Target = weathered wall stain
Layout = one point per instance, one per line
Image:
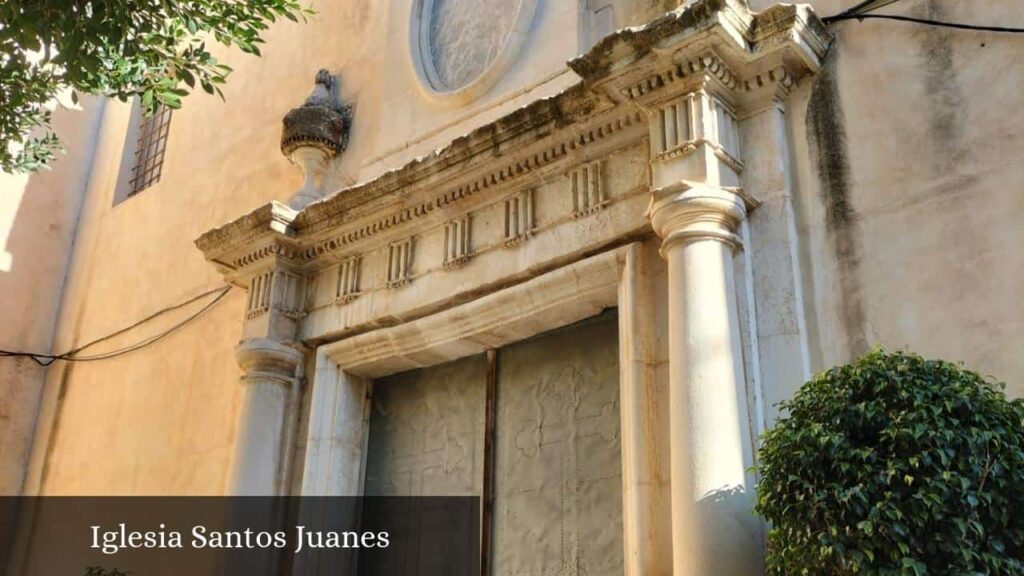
(945, 98)
(826, 136)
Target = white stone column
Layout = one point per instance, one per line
(270, 373)
(713, 533)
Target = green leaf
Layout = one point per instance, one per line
(895, 465)
(124, 49)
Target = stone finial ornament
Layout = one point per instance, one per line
(315, 133)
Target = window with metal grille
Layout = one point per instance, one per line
(149, 150)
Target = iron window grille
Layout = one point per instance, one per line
(149, 150)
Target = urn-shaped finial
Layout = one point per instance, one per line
(316, 132)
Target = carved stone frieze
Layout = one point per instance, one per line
(259, 295)
(349, 273)
(588, 189)
(518, 219)
(685, 74)
(281, 249)
(277, 290)
(456, 242)
(400, 263)
(682, 125)
(768, 88)
(505, 174)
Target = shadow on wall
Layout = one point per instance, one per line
(721, 510)
(38, 220)
(30, 234)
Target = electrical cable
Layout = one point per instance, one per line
(71, 355)
(869, 6)
(926, 21)
(859, 8)
(863, 11)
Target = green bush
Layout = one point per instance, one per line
(895, 465)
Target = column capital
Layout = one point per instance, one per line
(263, 359)
(691, 211)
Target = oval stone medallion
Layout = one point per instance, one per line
(461, 47)
(465, 37)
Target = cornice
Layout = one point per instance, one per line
(620, 50)
(506, 172)
(793, 24)
(709, 39)
(703, 66)
(276, 230)
(752, 58)
(482, 144)
(271, 216)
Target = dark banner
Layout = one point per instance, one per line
(251, 536)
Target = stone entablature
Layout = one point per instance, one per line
(651, 99)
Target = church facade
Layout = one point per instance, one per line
(565, 256)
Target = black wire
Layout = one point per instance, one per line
(957, 25)
(146, 319)
(71, 355)
(859, 8)
(861, 11)
(868, 6)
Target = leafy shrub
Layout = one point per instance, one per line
(895, 465)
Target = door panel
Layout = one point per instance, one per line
(426, 431)
(557, 462)
(558, 483)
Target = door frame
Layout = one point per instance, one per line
(621, 277)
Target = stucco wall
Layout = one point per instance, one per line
(905, 155)
(38, 216)
(160, 420)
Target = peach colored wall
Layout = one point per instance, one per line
(916, 131)
(38, 217)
